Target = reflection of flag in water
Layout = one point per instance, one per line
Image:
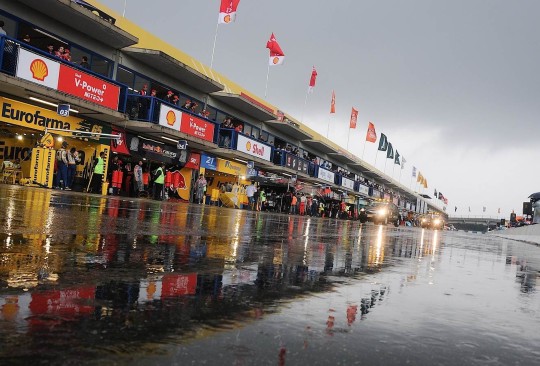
(276, 54)
(227, 11)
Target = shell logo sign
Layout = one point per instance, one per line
(275, 60)
(227, 18)
(171, 118)
(39, 69)
(248, 146)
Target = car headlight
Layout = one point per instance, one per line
(381, 212)
(423, 220)
(437, 221)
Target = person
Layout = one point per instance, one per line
(159, 180)
(50, 49)
(84, 63)
(239, 128)
(26, 38)
(15, 164)
(138, 176)
(262, 200)
(200, 187)
(66, 55)
(73, 159)
(250, 193)
(60, 52)
(97, 176)
(62, 162)
(169, 97)
(2, 31)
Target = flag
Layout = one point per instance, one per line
(435, 193)
(383, 142)
(420, 178)
(396, 158)
(227, 11)
(425, 183)
(455, 208)
(354, 117)
(390, 151)
(312, 80)
(484, 209)
(333, 103)
(499, 210)
(403, 161)
(276, 54)
(414, 171)
(469, 208)
(371, 135)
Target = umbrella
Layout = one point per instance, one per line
(535, 196)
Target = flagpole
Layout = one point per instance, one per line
(328, 129)
(376, 154)
(400, 172)
(214, 47)
(267, 76)
(385, 161)
(305, 104)
(410, 183)
(348, 137)
(124, 12)
(393, 170)
(364, 150)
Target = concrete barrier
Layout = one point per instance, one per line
(529, 234)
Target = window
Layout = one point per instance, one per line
(125, 77)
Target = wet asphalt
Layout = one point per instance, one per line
(92, 280)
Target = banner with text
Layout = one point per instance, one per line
(253, 147)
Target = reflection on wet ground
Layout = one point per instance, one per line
(92, 280)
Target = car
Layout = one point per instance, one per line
(432, 221)
(379, 212)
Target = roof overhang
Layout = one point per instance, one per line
(289, 129)
(169, 65)
(86, 21)
(247, 105)
(16, 88)
(157, 132)
(342, 158)
(235, 154)
(320, 146)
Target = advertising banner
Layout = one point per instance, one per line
(119, 145)
(231, 167)
(170, 117)
(303, 166)
(253, 147)
(208, 162)
(363, 189)
(197, 127)
(291, 161)
(55, 75)
(194, 161)
(347, 183)
(325, 175)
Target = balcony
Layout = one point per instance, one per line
(26, 72)
(246, 104)
(86, 19)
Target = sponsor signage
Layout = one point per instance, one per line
(55, 75)
(119, 145)
(303, 166)
(253, 147)
(30, 116)
(347, 183)
(291, 161)
(181, 145)
(169, 117)
(197, 127)
(164, 151)
(231, 167)
(251, 172)
(178, 284)
(325, 175)
(208, 162)
(63, 110)
(194, 161)
(363, 189)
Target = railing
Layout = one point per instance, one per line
(9, 58)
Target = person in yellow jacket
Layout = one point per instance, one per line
(159, 180)
(97, 176)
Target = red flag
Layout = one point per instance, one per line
(312, 80)
(227, 11)
(371, 135)
(333, 103)
(276, 54)
(354, 117)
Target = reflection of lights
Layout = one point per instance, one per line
(422, 243)
(435, 238)
(47, 245)
(379, 245)
(381, 212)
(19, 137)
(8, 241)
(59, 139)
(306, 235)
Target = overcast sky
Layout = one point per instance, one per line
(453, 84)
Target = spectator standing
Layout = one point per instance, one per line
(62, 161)
(250, 193)
(26, 38)
(97, 176)
(84, 63)
(50, 49)
(138, 177)
(159, 180)
(200, 187)
(73, 159)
